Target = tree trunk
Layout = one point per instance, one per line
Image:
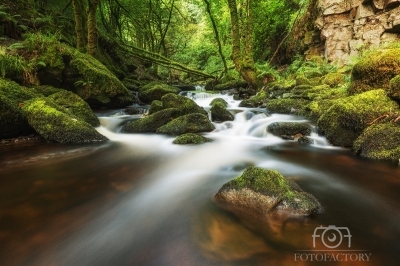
(93, 34)
(242, 52)
(214, 25)
(80, 18)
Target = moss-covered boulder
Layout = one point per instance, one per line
(289, 129)
(219, 100)
(220, 114)
(155, 106)
(191, 138)
(333, 79)
(75, 106)
(65, 67)
(375, 70)
(379, 142)
(151, 122)
(263, 191)
(345, 120)
(287, 106)
(12, 97)
(184, 104)
(257, 100)
(394, 88)
(155, 91)
(232, 84)
(54, 123)
(191, 123)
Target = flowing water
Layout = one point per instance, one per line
(138, 199)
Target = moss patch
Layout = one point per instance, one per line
(155, 91)
(53, 124)
(191, 123)
(289, 128)
(220, 101)
(191, 138)
(262, 191)
(155, 106)
(286, 106)
(344, 121)
(220, 114)
(379, 142)
(184, 104)
(375, 70)
(394, 88)
(257, 100)
(151, 122)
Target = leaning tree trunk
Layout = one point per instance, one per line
(93, 34)
(242, 52)
(80, 18)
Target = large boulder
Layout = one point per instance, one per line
(150, 123)
(379, 142)
(75, 106)
(375, 70)
(262, 191)
(12, 121)
(155, 91)
(65, 67)
(57, 123)
(184, 104)
(346, 119)
(190, 123)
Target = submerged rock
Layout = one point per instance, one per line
(380, 142)
(264, 191)
(191, 138)
(191, 123)
(56, 123)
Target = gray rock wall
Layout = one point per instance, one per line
(348, 26)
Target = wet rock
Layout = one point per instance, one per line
(75, 106)
(184, 104)
(257, 100)
(191, 138)
(305, 140)
(380, 142)
(133, 111)
(346, 118)
(219, 113)
(264, 191)
(56, 123)
(231, 85)
(155, 91)
(219, 100)
(394, 89)
(191, 123)
(151, 122)
(289, 129)
(286, 106)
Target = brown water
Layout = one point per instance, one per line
(140, 200)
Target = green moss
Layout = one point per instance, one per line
(155, 91)
(286, 194)
(394, 88)
(54, 124)
(333, 79)
(184, 104)
(191, 123)
(286, 106)
(12, 97)
(220, 101)
(379, 142)
(315, 109)
(289, 128)
(375, 70)
(155, 106)
(220, 114)
(348, 117)
(151, 122)
(46, 90)
(257, 100)
(75, 106)
(302, 80)
(232, 84)
(191, 138)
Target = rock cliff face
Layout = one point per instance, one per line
(347, 26)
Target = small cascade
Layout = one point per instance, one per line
(200, 88)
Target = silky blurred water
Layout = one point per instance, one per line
(138, 199)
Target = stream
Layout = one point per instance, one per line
(138, 199)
